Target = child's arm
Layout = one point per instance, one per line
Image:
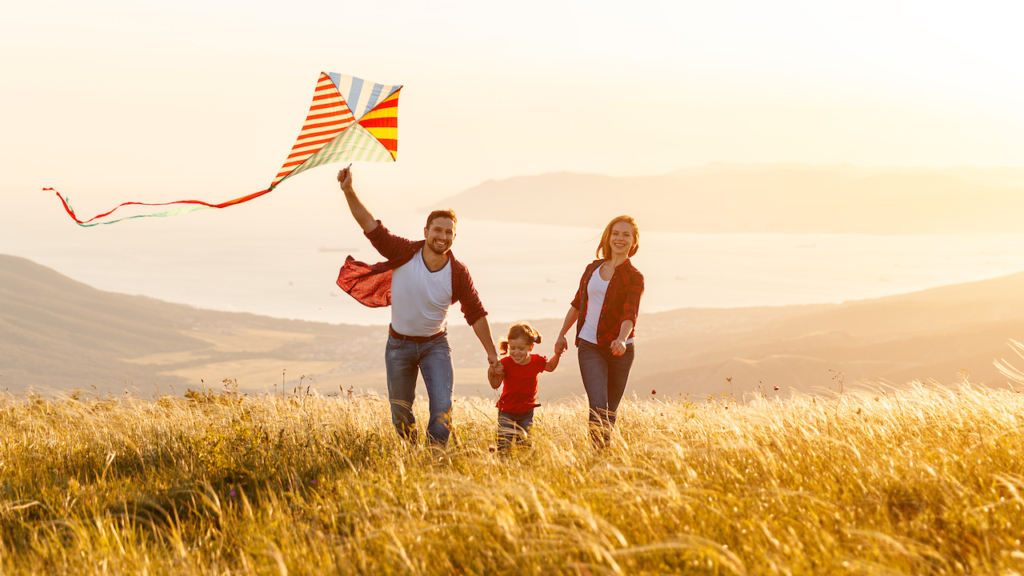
(553, 362)
(495, 374)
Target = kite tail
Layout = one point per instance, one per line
(187, 206)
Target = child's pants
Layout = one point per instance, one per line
(513, 428)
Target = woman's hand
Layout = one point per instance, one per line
(561, 345)
(618, 347)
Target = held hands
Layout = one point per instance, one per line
(495, 375)
(561, 345)
(492, 360)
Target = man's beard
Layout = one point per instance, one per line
(447, 246)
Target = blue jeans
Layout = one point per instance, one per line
(403, 359)
(604, 378)
(513, 428)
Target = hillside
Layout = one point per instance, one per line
(928, 335)
(57, 334)
(1001, 177)
(761, 199)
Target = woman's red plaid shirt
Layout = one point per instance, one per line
(621, 301)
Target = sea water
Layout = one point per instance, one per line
(220, 260)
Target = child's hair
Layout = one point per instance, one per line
(521, 330)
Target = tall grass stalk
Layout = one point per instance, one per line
(927, 482)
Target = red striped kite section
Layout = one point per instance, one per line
(349, 119)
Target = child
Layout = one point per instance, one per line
(518, 370)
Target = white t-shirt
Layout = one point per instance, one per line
(420, 298)
(596, 289)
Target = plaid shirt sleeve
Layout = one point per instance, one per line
(631, 302)
(390, 246)
(466, 294)
(578, 299)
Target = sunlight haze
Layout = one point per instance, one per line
(143, 100)
(812, 311)
(838, 118)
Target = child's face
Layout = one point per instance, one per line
(519, 349)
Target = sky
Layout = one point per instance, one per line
(114, 100)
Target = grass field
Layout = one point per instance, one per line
(926, 480)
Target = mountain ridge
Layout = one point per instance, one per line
(57, 335)
(769, 200)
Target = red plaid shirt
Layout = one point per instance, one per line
(621, 301)
(370, 284)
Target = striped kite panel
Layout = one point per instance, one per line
(361, 95)
(328, 116)
(354, 144)
(331, 133)
(382, 123)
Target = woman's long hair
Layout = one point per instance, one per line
(604, 249)
(516, 331)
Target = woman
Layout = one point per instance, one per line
(604, 311)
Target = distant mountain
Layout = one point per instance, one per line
(57, 335)
(940, 335)
(1003, 177)
(724, 198)
(937, 334)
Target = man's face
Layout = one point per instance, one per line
(440, 234)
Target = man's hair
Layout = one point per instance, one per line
(604, 249)
(449, 213)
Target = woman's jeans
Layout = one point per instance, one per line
(403, 360)
(604, 378)
(513, 428)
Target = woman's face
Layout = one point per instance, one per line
(621, 238)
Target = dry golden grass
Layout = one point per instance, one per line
(921, 481)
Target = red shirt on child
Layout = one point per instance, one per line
(519, 385)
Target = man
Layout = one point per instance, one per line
(419, 280)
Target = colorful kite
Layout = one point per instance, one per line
(349, 120)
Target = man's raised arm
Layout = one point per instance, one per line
(366, 220)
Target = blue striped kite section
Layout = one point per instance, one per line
(361, 96)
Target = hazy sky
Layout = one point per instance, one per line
(154, 100)
(110, 101)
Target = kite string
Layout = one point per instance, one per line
(71, 211)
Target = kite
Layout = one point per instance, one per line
(350, 119)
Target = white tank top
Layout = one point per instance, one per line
(596, 289)
(420, 298)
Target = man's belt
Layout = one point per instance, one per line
(416, 339)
